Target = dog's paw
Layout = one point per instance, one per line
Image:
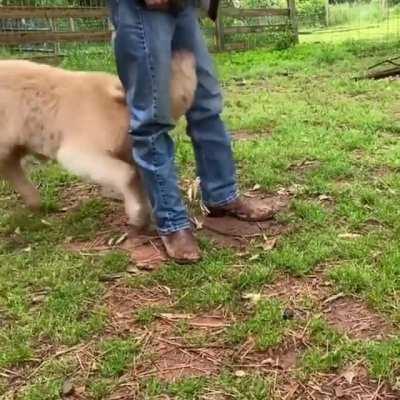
(33, 201)
(139, 221)
(139, 217)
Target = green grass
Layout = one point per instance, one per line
(383, 29)
(302, 105)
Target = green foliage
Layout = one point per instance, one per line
(266, 326)
(311, 9)
(356, 13)
(117, 356)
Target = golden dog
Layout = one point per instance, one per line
(81, 120)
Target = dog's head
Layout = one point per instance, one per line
(183, 82)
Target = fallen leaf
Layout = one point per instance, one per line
(253, 298)
(240, 373)
(132, 269)
(176, 316)
(269, 244)
(396, 385)
(168, 290)
(349, 375)
(121, 239)
(80, 390)
(339, 392)
(268, 361)
(255, 257)
(256, 187)
(349, 235)
(325, 197)
(197, 224)
(37, 298)
(67, 388)
(68, 239)
(333, 298)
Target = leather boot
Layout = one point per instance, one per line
(245, 210)
(182, 246)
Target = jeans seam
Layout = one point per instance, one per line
(173, 228)
(150, 62)
(160, 183)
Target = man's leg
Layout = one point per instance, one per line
(143, 53)
(211, 141)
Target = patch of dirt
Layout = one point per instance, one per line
(76, 193)
(172, 360)
(292, 290)
(304, 166)
(346, 314)
(382, 171)
(173, 356)
(122, 302)
(282, 357)
(351, 384)
(246, 135)
(352, 317)
(146, 249)
(168, 355)
(231, 232)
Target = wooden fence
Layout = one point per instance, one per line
(21, 26)
(287, 23)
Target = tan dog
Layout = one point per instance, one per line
(81, 120)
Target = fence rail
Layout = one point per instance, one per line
(15, 38)
(27, 25)
(52, 12)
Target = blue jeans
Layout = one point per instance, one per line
(144, 44)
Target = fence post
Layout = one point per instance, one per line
(219, 31)
(293, 19)
(327, 13)
(57, 47)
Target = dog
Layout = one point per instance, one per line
(80, 119)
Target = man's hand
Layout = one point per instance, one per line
(157, 4)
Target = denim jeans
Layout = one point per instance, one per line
(144, 42)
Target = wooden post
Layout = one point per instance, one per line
(72, 24)
(326, 13)
(57, 47)
(293, 19)
(219, 32)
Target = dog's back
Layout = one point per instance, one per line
(42, 106)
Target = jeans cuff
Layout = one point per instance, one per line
(224, 202)
(168, 231)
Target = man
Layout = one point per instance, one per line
(147, 31)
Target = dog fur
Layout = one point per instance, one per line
(81, 120)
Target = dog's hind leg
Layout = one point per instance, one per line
(11, 170)
(108, 171)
